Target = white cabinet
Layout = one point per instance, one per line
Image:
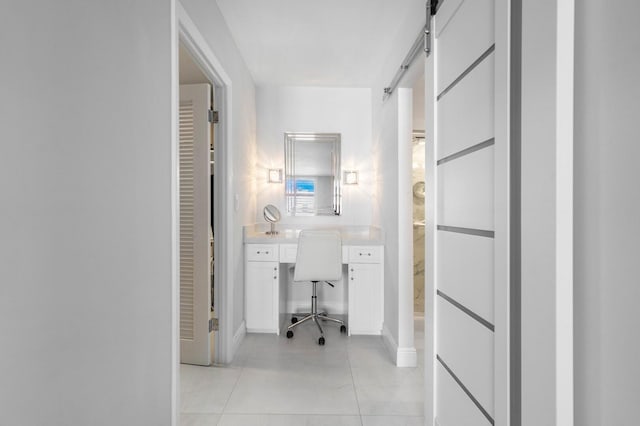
(265, 292)
(261, 289)
(366, 295)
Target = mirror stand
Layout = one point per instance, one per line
(273, 229)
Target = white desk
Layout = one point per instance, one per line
(266, 258)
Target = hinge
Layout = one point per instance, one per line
(214, 116)
(213, 324)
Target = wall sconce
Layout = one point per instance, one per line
(275, 175)
(350, 177)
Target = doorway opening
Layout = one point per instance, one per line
(219, 207)
(196, 173)
(418, 194)
(191, 41)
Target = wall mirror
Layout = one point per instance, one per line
(312, 174)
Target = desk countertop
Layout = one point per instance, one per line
(288, 234)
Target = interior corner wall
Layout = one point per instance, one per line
(85, 217)
(211, 24)
(385, 137)
(324, 110)
(387, 198)
(607, 208)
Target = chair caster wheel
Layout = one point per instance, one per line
(294, 320)
(343, 329)
(289, 334)
(321, 341)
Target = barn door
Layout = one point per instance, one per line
(195, 287)
(467, 121)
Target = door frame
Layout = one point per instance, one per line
(184, 30)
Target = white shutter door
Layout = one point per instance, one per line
(195, 294)
(467, 121)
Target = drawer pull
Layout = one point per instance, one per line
(275, 269)
(258, 252)
(274, 277)
(266, 252)
(351, 278)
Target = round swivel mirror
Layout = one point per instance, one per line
(272, 215)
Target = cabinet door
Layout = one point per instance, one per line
(365, 298)
(262, 297)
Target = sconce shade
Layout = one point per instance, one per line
(275, 176)
(351, 177)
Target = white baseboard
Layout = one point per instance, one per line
(263, 330)
(238, 337)
(389, 342)
(401, 356)
(407, 357)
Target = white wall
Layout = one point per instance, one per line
(546, 213)
(85, 178)
(314, 109)
(418, 99)
(394, 186)
(607, 208)
(213, 27)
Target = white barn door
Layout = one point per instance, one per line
(194, 173)
(467, 315)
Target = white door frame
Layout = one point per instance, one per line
(184, 30)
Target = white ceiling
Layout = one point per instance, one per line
(339, 43)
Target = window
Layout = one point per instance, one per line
(301, 195)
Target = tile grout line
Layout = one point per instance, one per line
(224, 408)
(353, 381)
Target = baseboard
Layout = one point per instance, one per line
(407, 357)
(238, 337)
(390, 343)
(401, 356)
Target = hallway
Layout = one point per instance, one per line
(276, 381)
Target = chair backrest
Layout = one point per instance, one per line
(319, 256)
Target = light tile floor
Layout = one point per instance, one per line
(275, 381)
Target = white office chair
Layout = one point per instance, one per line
(319, 259)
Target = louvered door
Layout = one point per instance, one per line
(195, 293)
(467, 121)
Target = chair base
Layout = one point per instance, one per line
(314, 316)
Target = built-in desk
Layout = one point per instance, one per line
(266, 284)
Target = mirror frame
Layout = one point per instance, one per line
(290, 139)
(266, 211)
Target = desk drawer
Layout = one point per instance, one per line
(365, 254)
(288, 253)
(262, 252)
